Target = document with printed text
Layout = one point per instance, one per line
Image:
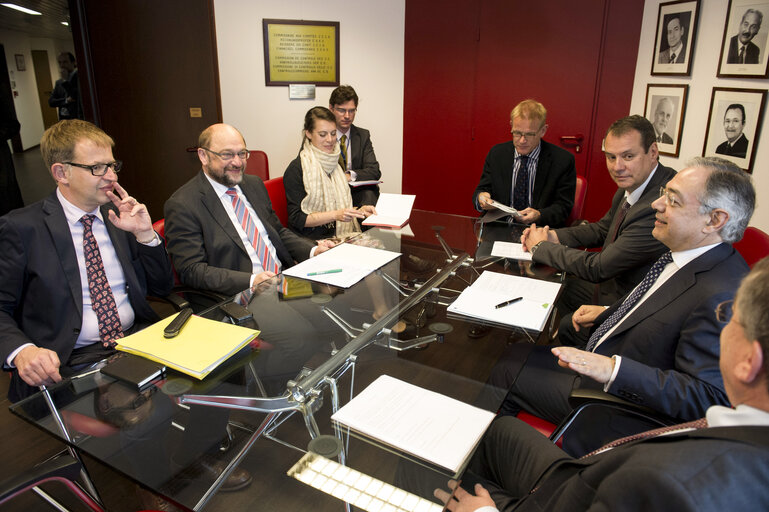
(428, 425)
(492, 289)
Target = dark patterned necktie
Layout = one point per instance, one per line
(255, 236)
(631, 300)
(621, 213)
(742, 55)
(343, 152)
(696, 424)
(672, 58)
(102, 300)
(521, 189)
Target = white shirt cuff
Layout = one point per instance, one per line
(486, 508)
(353, 175)
(152, 243)
(312, 251)
(9, 361)
(617, 362)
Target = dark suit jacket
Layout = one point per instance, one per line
(364, 163)
(711, 469)
(751, 52)
(666, 139)
(670, 344)
(664, 55)
(205, 247)
(554, 185)
(622, 264)
(41, 299)
(739, 149)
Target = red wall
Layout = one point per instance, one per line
(467, 63)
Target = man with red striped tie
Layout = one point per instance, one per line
(221, 230)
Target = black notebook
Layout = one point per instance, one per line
(134, 370)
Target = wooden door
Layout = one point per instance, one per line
(467, 66)
(152, 83)
(44, 86)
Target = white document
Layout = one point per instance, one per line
(510, 250)
(492, 288)
(504, 208)
(392, 210)
(363, 183)
(342, 266)
(428, 425)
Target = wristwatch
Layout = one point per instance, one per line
(536, 246)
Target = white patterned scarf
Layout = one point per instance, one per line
(326, 185)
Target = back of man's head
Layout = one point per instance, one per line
(342, 95)
(728, 188)
(529, 109)
(752, 302)
(637, 123)
(59, 141)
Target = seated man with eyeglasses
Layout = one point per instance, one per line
(76, 266)
(658, 345)
(357, 156)
(531, 175)
(221, 230)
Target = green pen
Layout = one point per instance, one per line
(320, 273)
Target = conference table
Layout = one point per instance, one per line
(263, 409)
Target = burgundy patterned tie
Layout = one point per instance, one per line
(255, 236)
(696, 424)
(102, 300)
(621, 214)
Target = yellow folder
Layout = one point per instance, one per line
(200, 347)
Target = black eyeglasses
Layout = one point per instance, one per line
(99, 169)
(226, 156)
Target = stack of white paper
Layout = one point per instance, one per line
(342, 266)
(492, 288)
(428, 425)
(393, 210)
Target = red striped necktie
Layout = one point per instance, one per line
(255, 236)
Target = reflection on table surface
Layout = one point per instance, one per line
(319, 345)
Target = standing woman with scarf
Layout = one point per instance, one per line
(317, 193)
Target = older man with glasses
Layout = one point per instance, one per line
(718, 462)
(76, 266)
(658, 345)
(222, 232)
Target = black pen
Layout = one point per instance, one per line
(508, 302)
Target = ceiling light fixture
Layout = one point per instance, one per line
(22, 9)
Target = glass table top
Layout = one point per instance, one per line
(319, 346)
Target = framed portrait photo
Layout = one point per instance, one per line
(744, 46)
(734, 123)
(665, 109)
(676, 28)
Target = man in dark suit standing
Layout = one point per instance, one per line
(55, 310)
(736, 144)
(658, 346)
(624, 232)
(675, 53)
(209, 247)
(357, 158)
(531, 175)
(742, 50)
(719, 464)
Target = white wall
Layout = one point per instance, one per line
(701, 83)
(27, 103)
(371, 60)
